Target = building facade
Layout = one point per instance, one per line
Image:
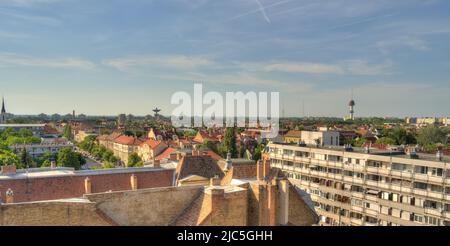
(369, 188)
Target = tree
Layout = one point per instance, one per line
(68, 132)
(68, 158)
(26, 159)
(229, 142)
(386, 140)
(431, 135)
(135, 161)
(400, 136)
(210, 145)
(7, 157)
(258, 152)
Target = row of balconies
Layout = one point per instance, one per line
(402, 206)
(374, 170)
(378, 184)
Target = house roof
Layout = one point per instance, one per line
(293, 134)
(127, 140)
(204, 166)
(152, 143)
(165, 154)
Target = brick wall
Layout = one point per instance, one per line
(52, 188)
(244, 171)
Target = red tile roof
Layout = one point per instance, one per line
(165, 154)
(152, 143)
(127, 140)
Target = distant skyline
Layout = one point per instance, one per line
(107, 57)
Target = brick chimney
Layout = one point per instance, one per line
(53, 164)
(134, 182)
(9, 196)
(11, 169)
(157, 164)
(266, 167)
(215, 181)
(259, 170)
(87, 185)
(283, 217)
(174, 157)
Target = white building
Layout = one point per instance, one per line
(323, 137)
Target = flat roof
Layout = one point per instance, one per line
(61, 172)
(22, 125)
(375, 151)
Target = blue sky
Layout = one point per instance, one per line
(129, 56)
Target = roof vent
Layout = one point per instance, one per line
(439, 155)
(411, 152)
(348, 148)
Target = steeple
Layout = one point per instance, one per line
(3, 112)
(3, 106)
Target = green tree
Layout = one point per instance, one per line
(135, 161)
(386, 140)
(68, 158)
(7, 157)
(26, 159)
(431, 135)
(67, 133)
(229, 142)
(210, 145)
(258, 152)
(400, 136)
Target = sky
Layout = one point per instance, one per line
(106, 57)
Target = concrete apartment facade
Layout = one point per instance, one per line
(369, 187)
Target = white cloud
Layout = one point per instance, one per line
(26, 2)
(406, 41)
(177, 62)
(348, 67)
(16, 60)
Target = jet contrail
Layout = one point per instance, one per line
(261, 9)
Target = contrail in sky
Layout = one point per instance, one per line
(261, 9)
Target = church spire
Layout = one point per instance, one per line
(3, 106)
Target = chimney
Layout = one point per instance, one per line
(229, 162)
(259, 171)
(194, 152)
(284, 202)
(266, 167)
(439, 155)
(215, 181)
(157, 164)
(134, 182)
(174, 157)
(179, 156)
(10, 169)
(87, 186)
(9, 196)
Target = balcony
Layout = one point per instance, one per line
(421, 177)
(356, 222)
(420, 192)
(432, 211)
(436, 195)
(403, 174)
(436, 179)
(372, 183)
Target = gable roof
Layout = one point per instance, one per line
(293, 134)
(152, 143)
(204, 166)
(127, 140)
(165, 154)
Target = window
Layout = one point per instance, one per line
(437, 172)
(419, 185)
(432, 220)
(418, 218)
(357, 161)
(421, 169)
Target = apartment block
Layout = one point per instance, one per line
(369, 187)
